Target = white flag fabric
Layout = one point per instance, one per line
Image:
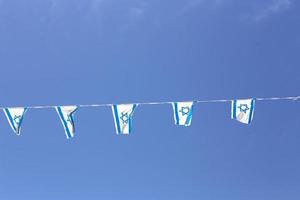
(242, 110)
(123, 117)
(183, 112)
(66, 114)
(15, 118)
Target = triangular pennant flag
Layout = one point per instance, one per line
(242, 110)
(123, 117)
(66, 114)
(183, 112)
(15, 118)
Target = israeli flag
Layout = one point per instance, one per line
(123, 117)
(242, 110)
(15, 118)
(183, 112)
(66, 114)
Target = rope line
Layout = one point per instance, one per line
(293, 98)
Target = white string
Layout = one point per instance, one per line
(293, 98)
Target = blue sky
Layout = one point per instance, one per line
(57, 52)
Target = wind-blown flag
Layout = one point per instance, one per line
(15, 118)
(123, 117)
(242, 110)
(66, 114)
(183, 112)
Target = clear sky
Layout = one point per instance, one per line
(56, 52)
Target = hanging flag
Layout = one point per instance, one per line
(66, 114)
(183, 112)
(242, 110)
(15, 118)
(123, 117)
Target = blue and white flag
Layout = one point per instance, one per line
(123, 117)
(242, 110)
(183, 112)
(15, 118)
(66, 114)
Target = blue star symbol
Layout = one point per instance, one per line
(69, 119)
(17, 119)
(243, 108)
(124, 117)
(184, 110)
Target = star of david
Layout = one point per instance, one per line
(184, 110)
(17, 119)
(69, 119)
(243, 108)
(124, 117)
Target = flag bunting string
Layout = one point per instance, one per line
(293, 98)
(242, 110)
